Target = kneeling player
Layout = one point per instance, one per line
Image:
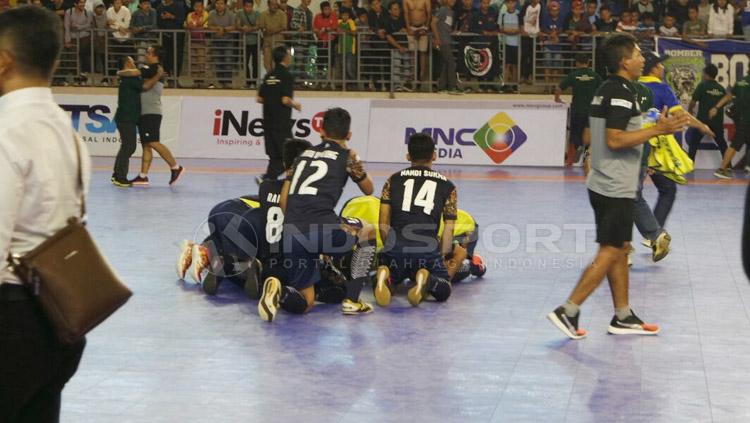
(312, 227)
(465, 234)
(412, 204)
(244, 239)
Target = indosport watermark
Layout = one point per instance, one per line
(234, 239)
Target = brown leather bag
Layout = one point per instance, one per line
(73, 282)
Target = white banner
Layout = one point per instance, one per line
(232, 128)
(520, 133)
(92, 117)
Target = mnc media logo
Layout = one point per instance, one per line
(499, 137)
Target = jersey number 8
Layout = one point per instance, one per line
(274, 223)
(425, 197)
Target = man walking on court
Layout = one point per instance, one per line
(616, 147)
(277, 96)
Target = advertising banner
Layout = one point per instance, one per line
(684, 69)
(92, 117)
(232, 127)
(521, 133)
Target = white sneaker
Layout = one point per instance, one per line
(646, 243)
(660, 247)
(268, 305)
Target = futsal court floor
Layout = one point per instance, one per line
(173, 354)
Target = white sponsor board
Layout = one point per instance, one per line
(232, 128)
(521, 133)
(92, 117)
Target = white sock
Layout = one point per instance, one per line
(176, 167)
(143, 175)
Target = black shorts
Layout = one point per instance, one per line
(149, 128)
(741, 134)
(614, 219)
(511, 55)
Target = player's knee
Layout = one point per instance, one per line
(292, 301)
(441, 291)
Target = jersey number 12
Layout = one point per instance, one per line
(305, 188)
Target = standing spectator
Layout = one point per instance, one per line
(171, 17)
(645, 6)
(289, 10)
(740, 95)
(591, 9)
(646, 27)
(552, 25)
(39, 163)
(247, 23)
(59, 7)
(379, 58)
(126, 117)
(679, 10)
(584, 83)
(272, 23)
(616, 147)
(221, 22)
(694, 27)
(118, 19)
(707, 94)
(463, 10)
(302, 18)
(745, 20)
(484, 23)
(325, 26)
(576, 25)
(606, 22)
(99, 24)
(668, 28)
(396, 26)
(721, 19)
(442, 27)
(348, 43)
(510, 27)
(277, 96)
(704, 11)
(144, 21)
(78, 25)
(197, 24)
(417, 15)
(531, 13)
(626, 23)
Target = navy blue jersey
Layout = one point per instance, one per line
(269, 194)
(419, 198)
(316, 184)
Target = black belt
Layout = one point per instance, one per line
(12, 292)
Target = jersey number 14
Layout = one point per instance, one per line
(425, 197)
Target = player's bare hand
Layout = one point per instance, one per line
(672, 123)
(297, 106)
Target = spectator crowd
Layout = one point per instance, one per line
(485, 41)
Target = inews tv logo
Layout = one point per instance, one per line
(500, 137)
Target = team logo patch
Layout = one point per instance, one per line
(478, 60)
(500, 137)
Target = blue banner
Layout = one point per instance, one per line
(687, 60)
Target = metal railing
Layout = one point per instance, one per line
(363, 61)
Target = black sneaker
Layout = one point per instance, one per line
(631, 325)
(252, 279)
(139, 181)
(210, 283)
(176, 173)
(121, 183)
(568, 325)
(268, 305)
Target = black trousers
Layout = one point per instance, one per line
(274, 143)
(128, 133)
(694, 137)
(84, 53)
(174, 49)
(34, 367)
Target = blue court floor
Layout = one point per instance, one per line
(173, 354)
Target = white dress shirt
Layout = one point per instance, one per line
(721, 22)
(38, 172)
(120, 21)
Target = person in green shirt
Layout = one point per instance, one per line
(584, 82)
(707, 94)
(126, 117)
(740, 94)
